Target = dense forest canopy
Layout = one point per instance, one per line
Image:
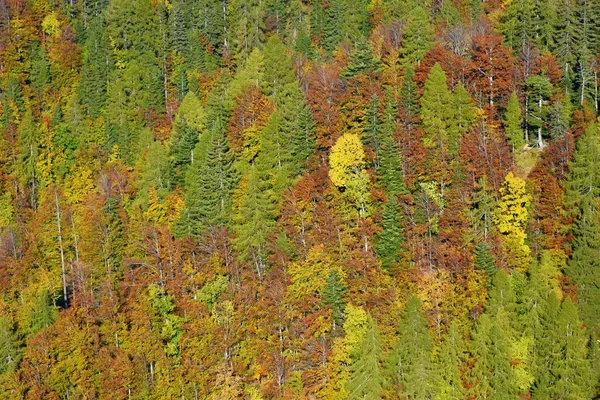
(286, 199)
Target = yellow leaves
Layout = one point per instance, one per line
(309, 277)
(6, 209)
(347, 169)
(51, 25)
(191, 111)
(510, 218)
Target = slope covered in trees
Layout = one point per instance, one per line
(383, 199)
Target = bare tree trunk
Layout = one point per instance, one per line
(61, 248)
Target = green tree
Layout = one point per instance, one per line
(436, 109)
(28, 139)
(450, 361)
(366, 379)
(513, 121)
(484, 260)
(333, 295)
(209, 183)
(389, 243)
(583, 191)
(539, 91)
(10, 347)
(410, 366)
(418, 36)
(361, 60)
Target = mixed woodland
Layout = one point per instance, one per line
(299, 199)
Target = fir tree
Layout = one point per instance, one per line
(418, 36)
(450, 362)
(513, 121)
(410, 366)
(390, 242)
(583, 191)
(333, 295)
(210, 182)
(436, 109)
(484, 260)
(10, 347)
(361, 60)
(366, 380)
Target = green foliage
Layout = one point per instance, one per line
(366, 379)
(484, 260)
(410, 365)
(436, 109)
(361, 60)
(10, 347)
(333, 295)
(450, 362)
(209, 183)
(418, 36)
(43, 313)
(583, 189)
(390, 242)
(513, 120)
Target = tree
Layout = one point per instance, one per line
(410, 365)
(253, 218)
(513, 120)
(209, 183)
(583, 190)
(366, 380)
(450, 362)
(361, 60)
(28, 139)
(510, 218)
(347, 170)
(436, 110)
(539, 91)
(390, 242)
(484, 260)
(10, 347)
(418, 36)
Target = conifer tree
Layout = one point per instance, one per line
(253, 218)
(28, 138)
(449, 363)
(436, 109)
(583, 191)
(389, 168)
(418, 36)
(484, 260)
(366, 379)
(463, 118)
(333, 295)
(390, 242)
(513, 121)
(210, 182)
(10, 347)
(361, 60)
(410, 366)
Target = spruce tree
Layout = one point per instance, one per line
(450, 361)
(436, 109)
(361, 60)
(418, 36)
(410, 366)
(366, 379)
(333, 295)
(10, 347)
(484, 260)
(210, 182)
(390, 242)
(513, 120)
(583, 191)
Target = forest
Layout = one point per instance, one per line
(300, 199)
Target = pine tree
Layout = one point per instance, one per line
(333, 295)
(10, 347)
(209, 184)
(513, 120)
(539, 91)
(583, 191)
(450, 362)
(484, 260)
(390, 242)
(436, 109)
(27, 157)
(462, 120)
(418, 36)
(366, 380)
(361, 60)
(389, 169)
(253, 218)
(410, 365)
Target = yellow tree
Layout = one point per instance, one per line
(347, 171)
(510, 218)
